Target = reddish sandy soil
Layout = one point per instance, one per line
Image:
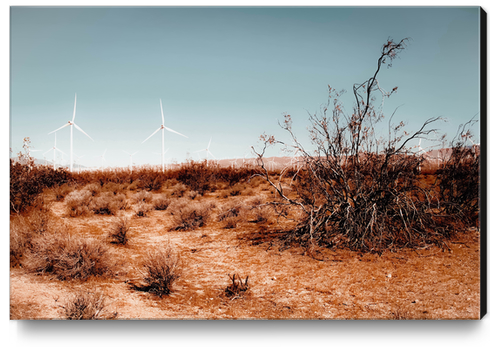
(288, 284)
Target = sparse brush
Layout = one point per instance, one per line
(113, 187)
(230, 215)
(143, 196)
(20, 239)
(119, 232)
(179, 190)
(87, 306)
(192, 194)
(61, 191)
(78, 202)
(237, 286)
(163, 268)
(68, 257)
(93, 188)
(108, 203)
(142, 209)
(259, 212)
(188, 214)
(161, 202)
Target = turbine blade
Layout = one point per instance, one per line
(161, 109)
(209, 144)
(151, 135)
(67, 124)
(166, 151)
(211, 154)
(74, 108)
(47, 151)
(175, 132)
(126, 152)
(76, 126)
(60, 150)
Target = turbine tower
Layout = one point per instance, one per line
(71, 124)
(54, 149)
(207, 151)
(130, 160)
(163, 128)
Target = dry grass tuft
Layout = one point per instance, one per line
(163, 268)
(87, 306)
(237, 287)
(161, 202)
(78, 202)
(230, 215)
(142, 209)
(119, 232)
(143, 196)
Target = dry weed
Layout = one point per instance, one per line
(68, 257)
(142, 209)
(163, 268)
(161, 202)
(119, 232)
(87, 306)
(188, 214)
(78, 202)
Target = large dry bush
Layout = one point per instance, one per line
(356, 189)
(78, 202)
(142, 196)
(27, 180)
(68, 257)
(108, 203)
(24, 228)
(161, 202)
(458, 180)
(162, 268)
(188, 214)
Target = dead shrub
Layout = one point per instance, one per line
(142, 209)
(161, 202)
(188, 214)
(119, 232)
(163, 268)
(61, 191)
(143, 196)
(68, 257)
(179, 190)
(237, 287)
(112, 187)
(87, 306)
(230, 215)
(23, 229)
(258, 211)
(78, 202)
(20, 240)
(93, 188)
(192, 194)
(107, 203)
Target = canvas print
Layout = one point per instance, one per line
(219, 163)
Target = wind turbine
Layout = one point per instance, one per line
(207, 151)
(163, 128)
(54, 149)
(77, 161)
(130, 160)
(71, 124)
(102, 157)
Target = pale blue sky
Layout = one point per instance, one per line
(225, 73)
